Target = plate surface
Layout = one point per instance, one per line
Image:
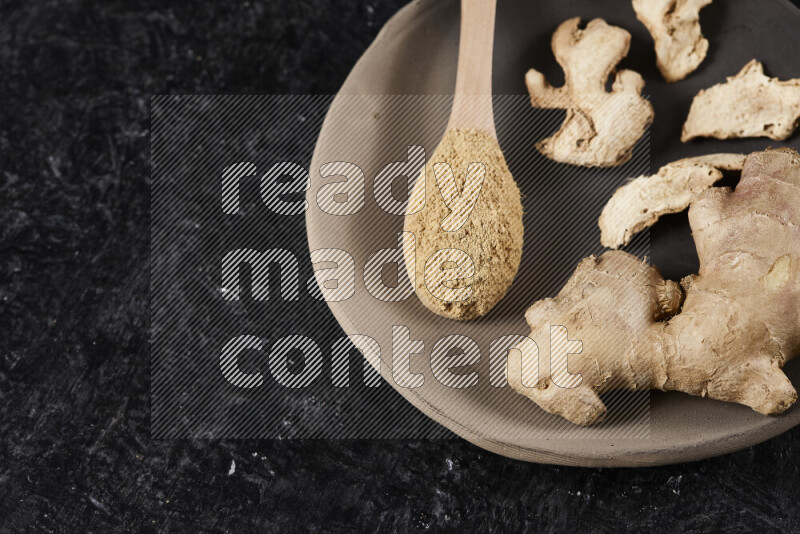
(415, 54)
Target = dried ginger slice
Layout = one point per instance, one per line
(749, 104)
(675, 27)
(601, 128)
(639, 203)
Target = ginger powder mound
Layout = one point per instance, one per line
(463, 228)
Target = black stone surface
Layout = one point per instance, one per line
(75, 451)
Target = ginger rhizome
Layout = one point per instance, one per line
(724, 333)
(601, 128)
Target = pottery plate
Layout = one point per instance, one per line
(415, 54)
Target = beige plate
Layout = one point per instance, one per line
(416, 53)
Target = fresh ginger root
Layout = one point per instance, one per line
(738, 325)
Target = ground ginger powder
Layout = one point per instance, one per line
(463, 236)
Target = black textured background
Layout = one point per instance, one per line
(75, 453)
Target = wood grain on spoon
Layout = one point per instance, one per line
(472, 102)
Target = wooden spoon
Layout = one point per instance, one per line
(463, 228)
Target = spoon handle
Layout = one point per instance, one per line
(472, 102)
